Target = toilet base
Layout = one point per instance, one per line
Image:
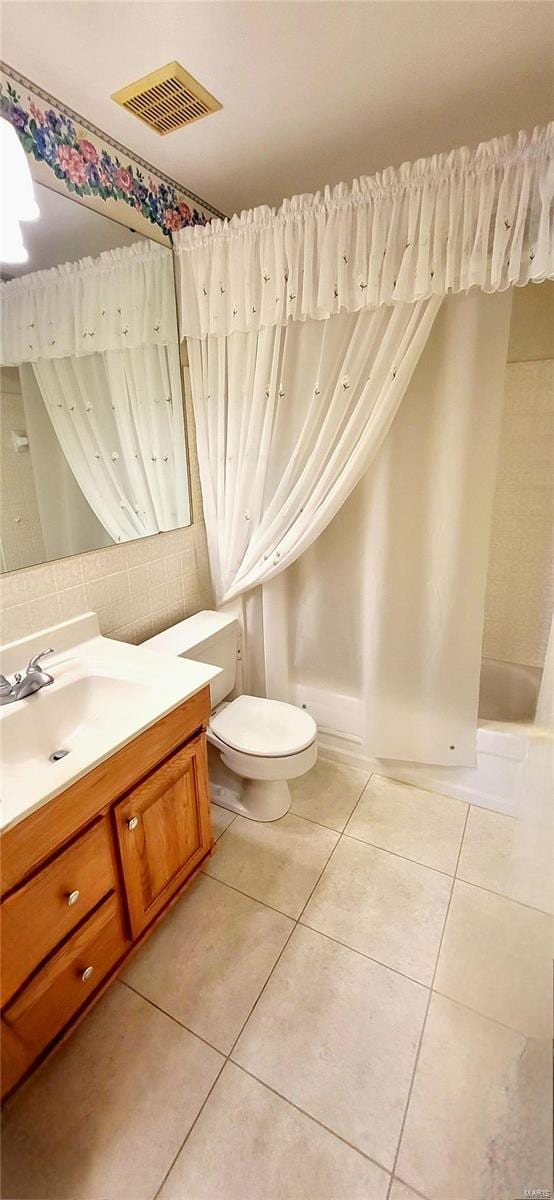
(257, 799)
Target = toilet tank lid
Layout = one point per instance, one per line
(190, 634)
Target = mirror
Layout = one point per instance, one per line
(92, 419)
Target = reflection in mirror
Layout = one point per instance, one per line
(92, 420)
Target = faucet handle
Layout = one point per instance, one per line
(5, 685)
(34, 662)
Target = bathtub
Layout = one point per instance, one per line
(505, 733)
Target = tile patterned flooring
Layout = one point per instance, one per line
(351, 1003)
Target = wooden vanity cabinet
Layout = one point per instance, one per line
(87, 876)
(164, 832)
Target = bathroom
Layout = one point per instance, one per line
(276, 653)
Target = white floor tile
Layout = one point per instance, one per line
(510, 856)
(382, 905)
(496, 957)
(479, 1120)
(328, 793)
(106, 1116)
(249, 1144)
(337, 1035)
(208, 961)
(277, 862)
(399, 1191)
(420, 825)
(221, 819)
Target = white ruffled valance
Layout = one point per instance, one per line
(444, 224)
(120, 300)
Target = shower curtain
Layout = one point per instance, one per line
(393, 666)
(285, 429)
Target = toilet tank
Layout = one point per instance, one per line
(208, 637)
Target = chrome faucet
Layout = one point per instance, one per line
(32, 681)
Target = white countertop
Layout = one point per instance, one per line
(104, 694)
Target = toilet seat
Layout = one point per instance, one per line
(263, 728)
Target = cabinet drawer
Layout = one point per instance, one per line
(46, 908)
(68, 979)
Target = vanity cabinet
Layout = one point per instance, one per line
(87, 876)
(164, 832)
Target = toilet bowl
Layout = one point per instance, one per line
(255, 745)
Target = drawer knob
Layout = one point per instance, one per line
(86, 974)
(132, 823)
(73, 897)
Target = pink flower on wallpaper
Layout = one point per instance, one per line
(172, 219)
(184, 211)
(72, 163)
(36, 113)
(124, 179)
(88, 151)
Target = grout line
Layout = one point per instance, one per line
(172, 1017)
(199, 1113)
(255, 900)
(418, 1051)
(385, 850)
(368, 957)
(310, 1116)
(228, 1056)
(503, 896)
(409, 1187)
(299, 922)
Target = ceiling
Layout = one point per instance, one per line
(312, 92)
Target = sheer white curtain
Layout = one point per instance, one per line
(287, 421)
(122, 433)
(470, 218)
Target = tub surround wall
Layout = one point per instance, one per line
(520, 586)
(137, 589)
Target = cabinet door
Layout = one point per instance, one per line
(164, 831)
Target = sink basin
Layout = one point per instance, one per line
(62, 713)
(104, 694)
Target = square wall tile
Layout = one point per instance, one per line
(208, 961)
(277, 862)
(327, 794)
(249, 1144)
(417, 824)
(479, 1118)
(107, 1114)
(337, 1035)
(387, 907)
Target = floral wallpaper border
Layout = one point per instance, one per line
(64, 142)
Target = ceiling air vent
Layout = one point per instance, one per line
(167, 99)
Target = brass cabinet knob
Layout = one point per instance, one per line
(86, 974)
(132, 823)
(73, 897)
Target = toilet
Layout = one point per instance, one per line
(255, 745)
